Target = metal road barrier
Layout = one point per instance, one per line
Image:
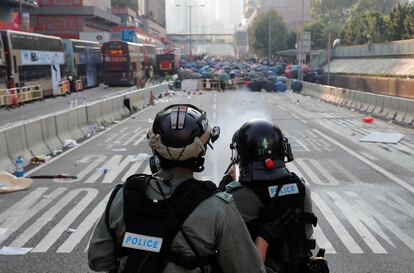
(46, 134)
(23, 94)
(396, 109)
(78, 85)
(206, 84)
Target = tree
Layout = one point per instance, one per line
(259, 34)
(402, 22)
(370, 24)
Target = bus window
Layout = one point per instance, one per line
(34, 72)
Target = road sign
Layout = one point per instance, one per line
(127, 35)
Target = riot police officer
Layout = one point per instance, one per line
(169, 221)
(274, 202)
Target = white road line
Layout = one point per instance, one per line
(303, 145)
(336, 225)
(406, 143)
(369, 156)
(99, 159)
(66, 221)
(299, 118)
(140, 140)
(111, 137)
(281, 107)
(20, 216)
(133, 170)
(21, 207)
(395, 201)
(328, 180)
(42, 221)
(84, 227)
(115, 165)
(384, 172)
(137, 130)
(356, 219)
(344, 171)
(85, 142)
(293, 167)
(322, 241)
(133, 137)
(405, 238)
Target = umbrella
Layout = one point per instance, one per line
(224, 77)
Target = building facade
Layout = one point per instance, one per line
(154, 10)
(71, 18)
(10, 17)
(290, 10)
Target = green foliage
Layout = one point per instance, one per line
(361, 26)
(398, 25)
(402, 22)
(353, 20)
(259, 34)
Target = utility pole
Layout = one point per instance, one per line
(21, 15)
(329, 57)
(300, 76)
(270, 35)
(190, 8)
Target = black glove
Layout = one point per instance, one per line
(272, 230)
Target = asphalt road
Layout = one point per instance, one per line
(55, 104)
(362, 192)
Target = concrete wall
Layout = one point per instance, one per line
(396, 48)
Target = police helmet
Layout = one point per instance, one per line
(262, 150)
(179, 137)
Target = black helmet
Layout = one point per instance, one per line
(262, 150)
(179, 136)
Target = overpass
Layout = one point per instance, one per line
(216, 44)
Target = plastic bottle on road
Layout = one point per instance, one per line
(19, 166)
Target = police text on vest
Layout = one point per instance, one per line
(142, 242)
(286, 190)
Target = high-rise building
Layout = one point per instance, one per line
(131, 4)
(290, 10)
(153, 9)
(73, 18)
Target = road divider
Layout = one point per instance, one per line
(396, 109)
(44, 135)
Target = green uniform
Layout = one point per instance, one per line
(214, 225)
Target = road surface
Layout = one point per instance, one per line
(362, 192)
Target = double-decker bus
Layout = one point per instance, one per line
(83, 61)
(33, 59)
(122, 63)
(3, 67)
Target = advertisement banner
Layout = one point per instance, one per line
(56, 78)
(42, 57)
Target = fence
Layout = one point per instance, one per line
(207, 84)
(399, 110)
(24, 94)
(399, 87)
(47, 133)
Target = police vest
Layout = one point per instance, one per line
(280, 195)
(152, 225)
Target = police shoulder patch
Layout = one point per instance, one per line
(227, 197)
(232, 186)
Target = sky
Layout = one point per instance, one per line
(218, 16)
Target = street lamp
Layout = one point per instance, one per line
(190, 7)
